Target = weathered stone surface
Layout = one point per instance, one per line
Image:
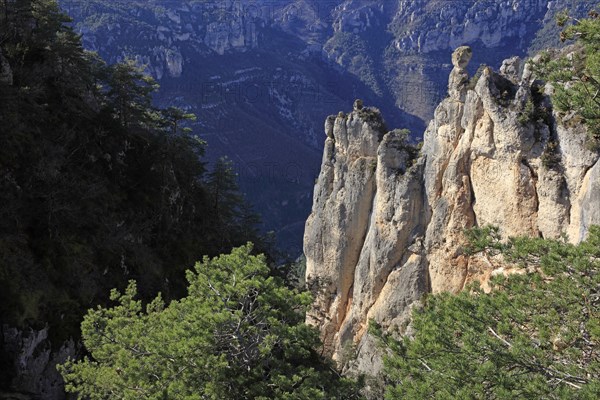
(386, 229)
(586, 207)
(485, 167)
(457, 83)
(35, 362)
(510, 69)
(174, 61)
(364, 197)
(461, 57)
(337, 226)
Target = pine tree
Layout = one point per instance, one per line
(239, 334)
(130, 90)
(223, 186)
(536, 335)
(97, 186)
(174, 118)
(576, 76)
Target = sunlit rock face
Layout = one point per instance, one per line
(387, 227)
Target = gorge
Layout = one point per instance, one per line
(95, 197)
(261, 74)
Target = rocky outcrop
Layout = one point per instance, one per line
(409, 42)
(168, 34)
(459, 77)
(387, 227)
(357, 16)
(33, 373)
(238, 34)
(365, 219)
(259, 63)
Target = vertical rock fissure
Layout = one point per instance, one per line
(354, 261)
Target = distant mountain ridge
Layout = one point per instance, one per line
(258, 92)
(262, 74)
(92, 197)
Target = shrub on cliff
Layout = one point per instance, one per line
(576, 76)
(535, 335)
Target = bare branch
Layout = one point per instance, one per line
(498, 337)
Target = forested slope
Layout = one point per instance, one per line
(97, 186)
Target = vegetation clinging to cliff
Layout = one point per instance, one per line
(535, 335)
(352, 51)
(576, 76)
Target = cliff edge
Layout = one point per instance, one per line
(388, 221)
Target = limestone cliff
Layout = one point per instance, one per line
(388, 226)
(33, 363)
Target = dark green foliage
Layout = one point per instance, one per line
(534, 336)
(239, 334)
(174, 117)
(373, 165)
(505, 90)
(128, 89)
(227, 207)
(373, 116)
(475, 78)
(413, 150)
(549, 35)
(528, 114)
(551, 156)
(297, 273)
(576, 76)
(536, 109)
(97, 186)
(486, 239)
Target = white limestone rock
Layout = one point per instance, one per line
(386, 228)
